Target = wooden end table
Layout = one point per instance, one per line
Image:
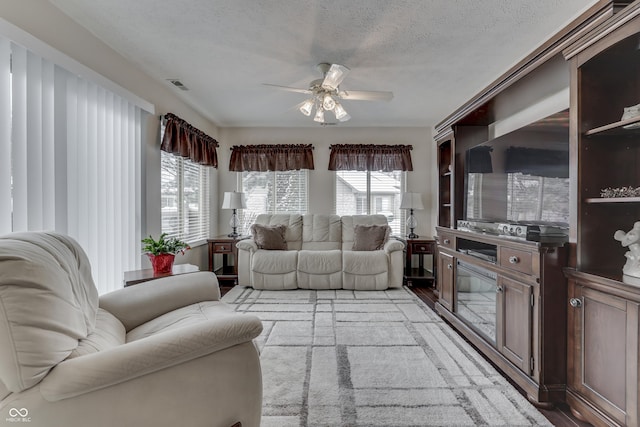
(420, 247)
(224, 245)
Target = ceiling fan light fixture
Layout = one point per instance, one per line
(306, 107)
(319, 115)
(341, 113)
(328, 103)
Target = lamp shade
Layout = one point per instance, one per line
(233, 200)
(411, 201)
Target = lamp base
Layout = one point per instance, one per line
(234, 233)
(412, 235)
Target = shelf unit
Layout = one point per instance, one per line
(603, 314)
(445, 182)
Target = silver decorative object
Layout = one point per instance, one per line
(620, 192)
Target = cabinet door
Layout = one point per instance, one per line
(514, 313)
(604, 352)
(445, 280)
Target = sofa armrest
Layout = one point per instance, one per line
(247, 245)
(84, 374)
(393, 245)
(140, 303)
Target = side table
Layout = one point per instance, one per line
(138, 276)
(419, 247)
(228, 273)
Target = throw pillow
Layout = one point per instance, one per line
(370, 237)
(270, 237)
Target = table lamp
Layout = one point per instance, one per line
(234, 200)
(411, 201)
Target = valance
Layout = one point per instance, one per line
(370, 157)
(184, 140)
(273, 157)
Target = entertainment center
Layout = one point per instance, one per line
(528, 269)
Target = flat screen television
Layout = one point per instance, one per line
(521, 177)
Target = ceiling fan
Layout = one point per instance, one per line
(326, 93)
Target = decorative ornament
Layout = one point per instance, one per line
(611, 193)
(631, 240)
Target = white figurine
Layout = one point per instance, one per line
(631, 239)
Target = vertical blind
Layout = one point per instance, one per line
(72, 161)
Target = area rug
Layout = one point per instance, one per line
(372, 358)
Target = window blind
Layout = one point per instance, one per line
(185, 199)
(74, 163)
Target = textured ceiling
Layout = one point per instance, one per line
(432, 54)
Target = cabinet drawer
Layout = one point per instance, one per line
(517, 260)
(446, 240)
(222, 248)
(421, 248)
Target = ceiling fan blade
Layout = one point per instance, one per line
(334, 76)
(289, 89)
(365, 95)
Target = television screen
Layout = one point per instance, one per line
(521, 177)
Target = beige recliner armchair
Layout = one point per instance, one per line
(162, 353)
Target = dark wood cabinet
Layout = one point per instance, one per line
(445, 181)
(521, 324)
(445, 280)
(602, 351)
(514, 322)
(602, 345)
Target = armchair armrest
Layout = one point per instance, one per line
(247, 245)
(140, 303)
(84, 374)
(393, 245)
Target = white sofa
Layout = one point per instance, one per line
(320, 255)
(161, 353)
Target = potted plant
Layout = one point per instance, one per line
(162, 252)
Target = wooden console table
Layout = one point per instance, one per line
(138, 276)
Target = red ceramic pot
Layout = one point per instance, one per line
(162, 263)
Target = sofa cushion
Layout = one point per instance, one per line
(365, 270)
(274, 269)
(321, 232)
(320, 269)
(370, 237)
(48, 302)
(269, 237)
(293, 235)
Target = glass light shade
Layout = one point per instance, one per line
(306, 107)
(340, 113)
(328, 103)
(319, 115)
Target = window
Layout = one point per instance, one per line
(185, 199)
(365, 193)
(272, 193)
(71, 159)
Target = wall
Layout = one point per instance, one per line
(47, 23)
(321, 180)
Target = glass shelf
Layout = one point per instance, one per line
(612, 200)
(615, 128)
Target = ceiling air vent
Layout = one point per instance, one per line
(177, 83)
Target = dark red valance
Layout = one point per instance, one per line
(276, 157)
(370, 157)
(184, 140)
